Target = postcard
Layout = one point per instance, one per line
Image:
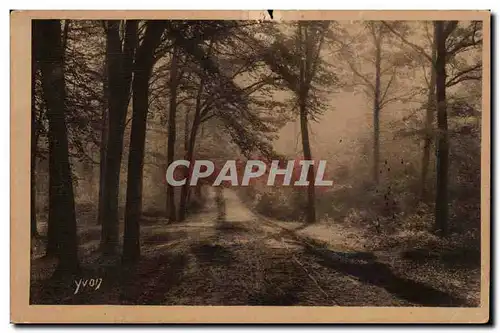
(250, 166)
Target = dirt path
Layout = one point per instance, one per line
(231, 256)
(227, 255)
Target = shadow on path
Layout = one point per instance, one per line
(150, 282)
(229, 228)
(208, 253)
(365, 268)
(467, 258)
(380, 275)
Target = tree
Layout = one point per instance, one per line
(173, 83)
(119, 60)
(39, 129)
(451, 40)
(62, 204)
(103, 147)
(232, 111)
(462, 38)
(85, 76)
(309, 58)
(298, 62)
(191, 139)
(428, 129)
(441, 32)
(380, 78)
(247, 114)
(53, 229)
(144, 62)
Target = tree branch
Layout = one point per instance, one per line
(465, 42)
(388, 86)
(404, 40)
(461, 76)
(364, 78)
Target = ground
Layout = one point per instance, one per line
(228, 255)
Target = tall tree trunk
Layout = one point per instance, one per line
(52, 227)
(172, 131)
(119, 64)
(189, 157)
(429, 119)
(190, 151)
(441, 212)
(185, 196)
(142, 72)
(63, 210)
(306, 148)
(52, 247)
(34, 144)
(311, 209)
(103, 146)
(131, 246)
(376, 108)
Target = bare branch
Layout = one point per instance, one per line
(388, 86)
(362, 77)
(462, 75)
(463, 44)
(417, 48)
(403, 97)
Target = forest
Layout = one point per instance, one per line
(393, 107)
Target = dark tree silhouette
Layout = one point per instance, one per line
(119, 59)
(62, 204)
(173, 83)
(441, 33)
(143, 66)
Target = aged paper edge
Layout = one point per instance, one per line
(22, 312)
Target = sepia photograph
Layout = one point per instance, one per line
(271, 160)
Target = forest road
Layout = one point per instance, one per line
(225, 254)
(228, 255)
